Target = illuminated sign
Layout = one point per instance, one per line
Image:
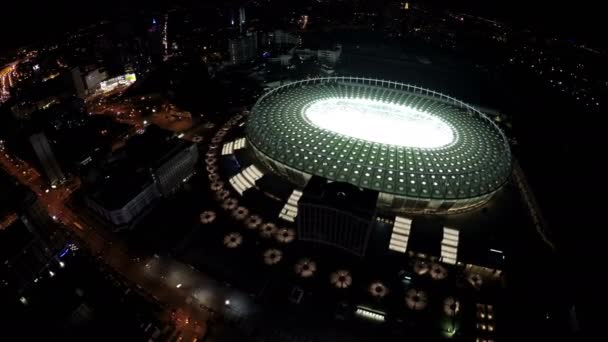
(112, 83)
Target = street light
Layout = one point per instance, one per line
(178, 285)
(227, 302)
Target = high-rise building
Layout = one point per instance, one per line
(330, 56)
(45, 155)
(6, 82)
(84, 82)
(151, 166)
(175, 168)
(30, 242)
(78, 82)
(285, 38)
(23, 257)
(242, 19)
(326, 56)
(122, 199)
(94, 77)
(243, 49)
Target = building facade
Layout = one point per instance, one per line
(175, 170)
(243, 49)
(128, 210)
(30, 243)
(336, 214)
(45, 155)
(133, 186)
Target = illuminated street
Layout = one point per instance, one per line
(188, 305)
(130, 110)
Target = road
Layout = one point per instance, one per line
(530, 201)
(132, 110)
(190, 304)
(6, 80)
(189, 296)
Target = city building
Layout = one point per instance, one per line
(7, 74)
(280, 37)
(33, 95)
(338, 214)
(23, 257)
(23, 109)
(175, 168)
(242, 19)
(243, 49)
(284, 58)
(77, 82)
(94, 77)
(85, 82)
(29, 240)
(133, 179)
(118, 81)
(328, 57)
(122, 197)
(47, 159)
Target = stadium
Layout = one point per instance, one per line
(421, 151)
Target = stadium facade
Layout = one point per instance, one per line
(422, 151)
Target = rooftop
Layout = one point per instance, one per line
(354, 130)
(120, 187)
(127, 172)
(13, 240)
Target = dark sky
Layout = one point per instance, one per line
(26, 20)
(34, 20)
(583, 18)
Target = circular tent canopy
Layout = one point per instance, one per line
(400, 140)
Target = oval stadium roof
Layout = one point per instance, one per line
(381, 135)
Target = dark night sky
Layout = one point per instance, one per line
(32, 19)
(582, 18)
(35, 20)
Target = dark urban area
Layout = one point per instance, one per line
(301, 170)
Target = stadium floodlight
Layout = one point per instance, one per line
(421, 150)
(380, 122)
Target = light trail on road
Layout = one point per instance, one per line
(112, 250)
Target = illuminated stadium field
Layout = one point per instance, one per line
(421, 150)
